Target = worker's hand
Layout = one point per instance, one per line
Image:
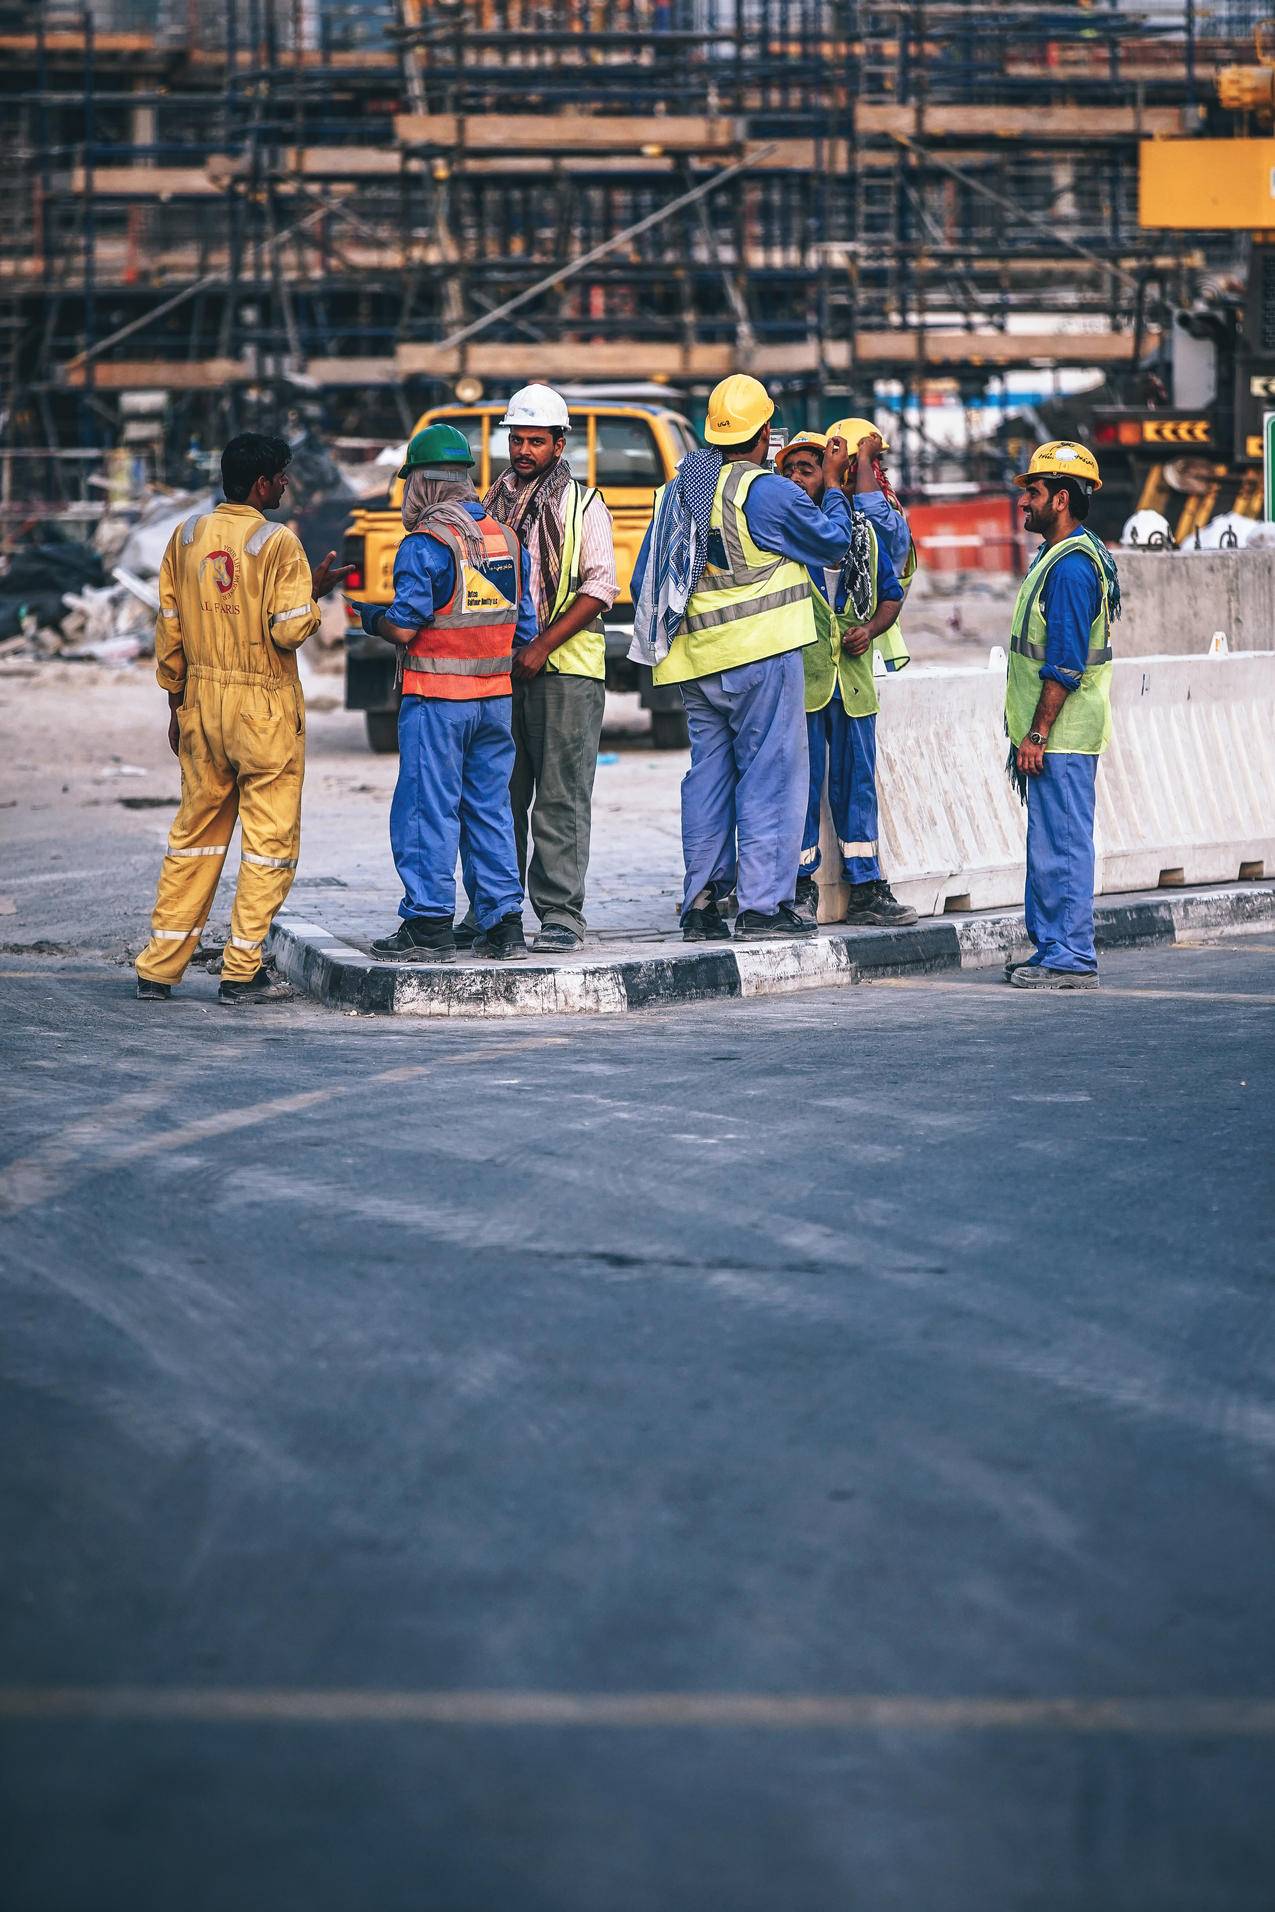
(1031, 758)
(836, 457)
(530, 659)
(870, 447)
(174, 733)
(857, 639)
(329, 574)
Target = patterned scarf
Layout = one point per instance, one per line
(536, 512)
(676, 555)
(856, 580)
(435, 499)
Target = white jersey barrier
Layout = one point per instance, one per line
(1186, 791)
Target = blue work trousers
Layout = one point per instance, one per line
(747, 782)
(1060, 861)
(846, 747)
(452, 797)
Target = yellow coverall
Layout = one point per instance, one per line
(235, 603)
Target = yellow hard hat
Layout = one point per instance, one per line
(854, 429)
(1062, 458)
(737, 410)
(801, 441)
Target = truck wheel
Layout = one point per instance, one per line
(382, 731)
(668, 730)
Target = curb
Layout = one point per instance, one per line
(617, 981)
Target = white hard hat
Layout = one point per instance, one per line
(538, 405)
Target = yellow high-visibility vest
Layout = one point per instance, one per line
(757, 605)
(828, 666)
(583, 655)
(1083, 725)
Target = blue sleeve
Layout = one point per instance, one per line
(424, 576)
(528, 625)
(890, 525)
(639, 569)
(1070, 600)
(888, 587)
(782, 518)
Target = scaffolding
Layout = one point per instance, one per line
(251, 204)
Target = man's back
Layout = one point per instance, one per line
(235, 594)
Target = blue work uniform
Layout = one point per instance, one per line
(844, 748)
(744, 796)
(455, 759)
(1058, 903)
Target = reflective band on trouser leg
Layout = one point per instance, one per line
(852, 791)
(192, 868)
(270, 817)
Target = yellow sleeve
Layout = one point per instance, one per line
(291, 613)
(170, 659)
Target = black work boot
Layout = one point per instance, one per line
(754, 926)
(873, 905)
(704, 925)
(504, 942)
(806, 902)
(465, 931)
(265, 986)
(418, 939)
(153, 992)
(558, 939)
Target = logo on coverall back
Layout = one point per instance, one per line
(223, 570)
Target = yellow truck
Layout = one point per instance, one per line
(626, 449)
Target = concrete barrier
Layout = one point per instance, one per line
(1186, 792)
(1175, 600)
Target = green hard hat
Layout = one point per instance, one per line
(437, 445)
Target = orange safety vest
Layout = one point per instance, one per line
(466, 649)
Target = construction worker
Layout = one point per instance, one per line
(1058, 712)
(559, 689)
(236, 601)
(462, 602)
(854, 606)
(722, 607)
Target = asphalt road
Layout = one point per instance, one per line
(798, 1455)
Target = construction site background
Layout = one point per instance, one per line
(330, 216)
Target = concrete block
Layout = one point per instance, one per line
(1186, 793)
(1175, 600)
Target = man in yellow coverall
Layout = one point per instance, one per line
(236, 600)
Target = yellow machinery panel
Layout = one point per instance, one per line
(1203, 185)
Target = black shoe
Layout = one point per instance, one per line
(265, 986)
(1036, 976)
(153, 992)
(806, 902)
(418, 939)
(556, 939)
(754, 926)
(704, 926)
(465, 931)
(504, 942)
(873, 905)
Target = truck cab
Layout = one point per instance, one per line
(627, 450)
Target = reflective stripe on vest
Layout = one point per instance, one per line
(739, 571)
(584, 653)
(1083, 725)
(465, 651)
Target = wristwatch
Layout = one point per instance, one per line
(1035, 737)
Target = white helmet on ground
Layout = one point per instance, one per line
(540, 407)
